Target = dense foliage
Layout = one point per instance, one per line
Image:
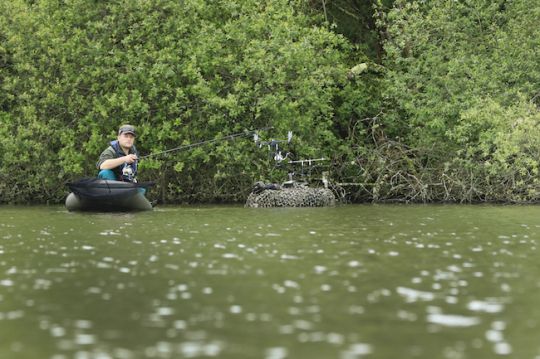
(461, 85)
(418, 101)
(73, 71)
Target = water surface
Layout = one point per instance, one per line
(356, 281)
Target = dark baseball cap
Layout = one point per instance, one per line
(127, 129)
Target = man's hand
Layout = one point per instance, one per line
(130, 158)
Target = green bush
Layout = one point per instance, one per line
(449, 114)
(500, 146)
(180, 71)
(460, 83)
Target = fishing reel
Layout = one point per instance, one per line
(127, 174)
(273, 146)
(306, 168)
(303, 169)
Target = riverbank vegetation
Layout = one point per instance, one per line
(410, 100)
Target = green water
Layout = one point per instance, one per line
(347, 282)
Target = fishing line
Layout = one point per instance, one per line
(192, 145)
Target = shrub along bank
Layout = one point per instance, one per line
(446, 107)
(459, 119)
(179, 71)
(462, 82)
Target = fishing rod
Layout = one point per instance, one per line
(273, 145)
(287, 160)
(193, 145)
(309, 161)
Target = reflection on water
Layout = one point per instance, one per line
(347, 282)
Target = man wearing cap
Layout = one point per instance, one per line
(119, 160)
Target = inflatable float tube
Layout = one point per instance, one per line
(107, 196)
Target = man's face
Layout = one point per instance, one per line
(126, 140)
